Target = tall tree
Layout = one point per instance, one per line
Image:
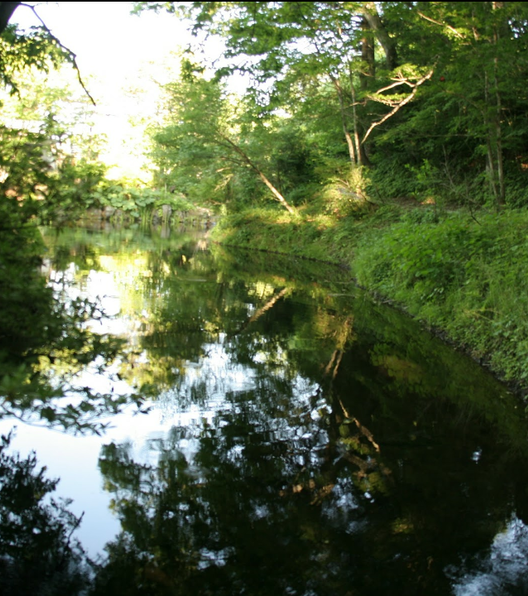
(330, 40)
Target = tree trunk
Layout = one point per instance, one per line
(370, 12)
(494, 141)
(260, 173)
(357, 138)
(498, 116)
(354, 156)
(6, 12)
(367, 55)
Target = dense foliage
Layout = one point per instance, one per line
(429, 96)
(47, 335)
(352, 109)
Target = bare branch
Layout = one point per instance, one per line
(399, 106)
(72, 55)
(260, 173)
(399, 81)
(452, 29)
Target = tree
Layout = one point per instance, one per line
(429, 88)
(38, 47)
(203, 134)
(344, 48)
(45, 342)
(467, 123)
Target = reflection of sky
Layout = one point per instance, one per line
(74, 459)
(216, 379)
(504, 567)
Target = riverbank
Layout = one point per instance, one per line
(463, 275)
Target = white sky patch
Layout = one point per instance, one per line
(122, 59)
(109, 42)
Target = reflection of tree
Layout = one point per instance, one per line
(181, 303)
(315, 477)
(334, 457)
(235, 515)
(45, 342)
(38, 555)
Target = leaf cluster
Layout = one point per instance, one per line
(19, 52)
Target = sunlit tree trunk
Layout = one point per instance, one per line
(246, 159)
(353, 155)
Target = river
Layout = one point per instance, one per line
(299, 438)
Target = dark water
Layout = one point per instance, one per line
(302, 439)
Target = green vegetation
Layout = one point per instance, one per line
(389, 137)
(47, 342)
(465, 276)
(364, 100)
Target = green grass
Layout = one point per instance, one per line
(467, 277)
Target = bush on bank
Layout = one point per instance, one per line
(466, 275)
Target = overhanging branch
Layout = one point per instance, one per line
(72, 55)
(452, 29)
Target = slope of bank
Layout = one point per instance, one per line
(463, 275)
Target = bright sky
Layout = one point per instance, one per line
(109, 42)
(116, 53)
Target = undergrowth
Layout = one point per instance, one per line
(467, 276)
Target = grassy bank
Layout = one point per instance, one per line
(464, 275)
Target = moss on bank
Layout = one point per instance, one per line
(466, 276)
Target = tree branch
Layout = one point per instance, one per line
(399, 106)
(262, 310)
(72, 55)
(260, 173)
(452, 29)
(399, 81)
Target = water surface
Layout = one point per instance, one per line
(301, 439)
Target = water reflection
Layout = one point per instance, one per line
(47, 336)
(502, 570)
(38, 554)
(301, 439)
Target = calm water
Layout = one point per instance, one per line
(301, 439)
